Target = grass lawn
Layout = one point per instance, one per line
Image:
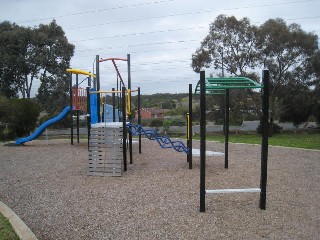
(6, 231)
(299, 140)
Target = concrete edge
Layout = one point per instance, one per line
(21, 229)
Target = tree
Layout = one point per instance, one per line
(54, 54)
(316, 106)
(296, 105)
(287, 51)
(14, 42)
(243, 50)
(28, 54)
(230, 44)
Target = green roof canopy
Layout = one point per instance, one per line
(219, 85)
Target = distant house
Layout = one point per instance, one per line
(147, 113)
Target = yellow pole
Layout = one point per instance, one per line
(188, 124)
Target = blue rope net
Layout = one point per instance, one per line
(152, 134)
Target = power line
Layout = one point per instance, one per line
(98, 10)
(189, 13)
(140, 33)
(144, 51)
(140, 45)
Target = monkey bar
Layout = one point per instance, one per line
(222, 86)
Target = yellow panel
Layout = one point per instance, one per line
(78, 71)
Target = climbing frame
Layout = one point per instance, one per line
(106, 151)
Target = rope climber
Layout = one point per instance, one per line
(152, 134)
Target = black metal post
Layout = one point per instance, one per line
(124, 129)
(77, 86)
(265, 133)
(113, 105)
(129, 71)
(98, 86)
(226, 129)
(71, 103)
(88, 113)
(129, 107)
(202, 142)
(139, 117)
(118, 98)
(190, 128)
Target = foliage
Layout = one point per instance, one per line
(179, 121)
(316, 106)
(18, 116)
(160, 100)
(242, 49)
(56, 55)
(181, 111)
(275, 129)
(28, 54)
(14, 45)
(231, 44)
(166, 125)
(296, 104)
(156, 122)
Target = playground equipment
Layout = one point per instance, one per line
(44, 125)
(213, 85)
(99, 150)
(107, 135)
(107, 142)
(152, 134)
(79, 99)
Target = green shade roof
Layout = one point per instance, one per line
(219, 85)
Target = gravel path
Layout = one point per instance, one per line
(158, 197)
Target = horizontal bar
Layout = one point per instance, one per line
(108, 59)
(240, 190)
(101, 91)
(91, 92)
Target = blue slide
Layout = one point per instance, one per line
(43, 126)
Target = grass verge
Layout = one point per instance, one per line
(298, 140)
(6, 230)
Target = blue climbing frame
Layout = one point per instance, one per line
(152, 134)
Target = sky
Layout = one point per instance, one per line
(159, 35)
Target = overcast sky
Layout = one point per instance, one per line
(160, 35)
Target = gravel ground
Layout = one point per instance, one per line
(45, 183)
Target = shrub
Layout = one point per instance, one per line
(179, 121)
(18, 117)
(166, 125)
(156, 122)
(275, 129)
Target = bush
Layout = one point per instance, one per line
(166, 125)
(156, 122)
(179, 121)
(275, 128)
(18, 116)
